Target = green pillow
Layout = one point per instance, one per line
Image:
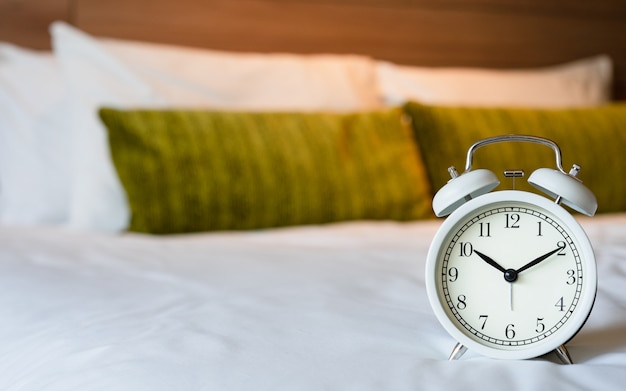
(594, 138)
(193, 170)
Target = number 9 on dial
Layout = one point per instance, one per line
(511, 274)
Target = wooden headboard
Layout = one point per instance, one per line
(480, 33)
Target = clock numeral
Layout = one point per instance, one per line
(571, 277)
(539, 228)
(560, 304)
(541, 327)
(485, 230)
(561, 246)
(512, 220)
(484, 319)
(453, 273)
(509, 332)
(466, 249)
(461, 304)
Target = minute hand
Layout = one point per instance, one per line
(538, 260)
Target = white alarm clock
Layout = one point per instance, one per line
(512, 274)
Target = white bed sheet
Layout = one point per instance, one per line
(337, 307)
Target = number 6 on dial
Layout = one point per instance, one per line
(511, 274)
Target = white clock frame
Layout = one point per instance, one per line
(465, 194)
(547, 344)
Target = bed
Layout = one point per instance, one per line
(237, 195)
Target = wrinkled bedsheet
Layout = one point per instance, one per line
(335, 307)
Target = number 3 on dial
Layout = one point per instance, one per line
(512, 275)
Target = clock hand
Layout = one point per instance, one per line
(510, 275)
(538, 260)
(490, 261)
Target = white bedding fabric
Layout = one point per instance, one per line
(55, 166)
(337, 307)
(581, 83)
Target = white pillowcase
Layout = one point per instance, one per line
(54, 159)
(585, 82)
(131, 74)
(34, 170)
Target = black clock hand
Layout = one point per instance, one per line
(490, 261)
(538, 260)
(510, 275)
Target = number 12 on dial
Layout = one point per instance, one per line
(514, 275)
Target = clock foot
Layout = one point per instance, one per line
(563, 355)
(457, 352)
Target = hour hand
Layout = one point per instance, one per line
(490, 261)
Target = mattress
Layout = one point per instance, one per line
(339, 307)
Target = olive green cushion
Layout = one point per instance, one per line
(594, 138)
(186, 170)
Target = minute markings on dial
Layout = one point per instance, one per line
(505, 249)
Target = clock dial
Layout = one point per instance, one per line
(511, 275)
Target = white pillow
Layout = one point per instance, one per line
(131, 74)
(585, 82)
(34, 171)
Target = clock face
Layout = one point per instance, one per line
(512, 275)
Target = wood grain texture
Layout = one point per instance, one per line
(25, 22)
(480, 33)
(445, 32)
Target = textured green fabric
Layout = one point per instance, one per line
(187, 170)
(594, 138)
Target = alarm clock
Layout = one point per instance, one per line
(511, 274)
